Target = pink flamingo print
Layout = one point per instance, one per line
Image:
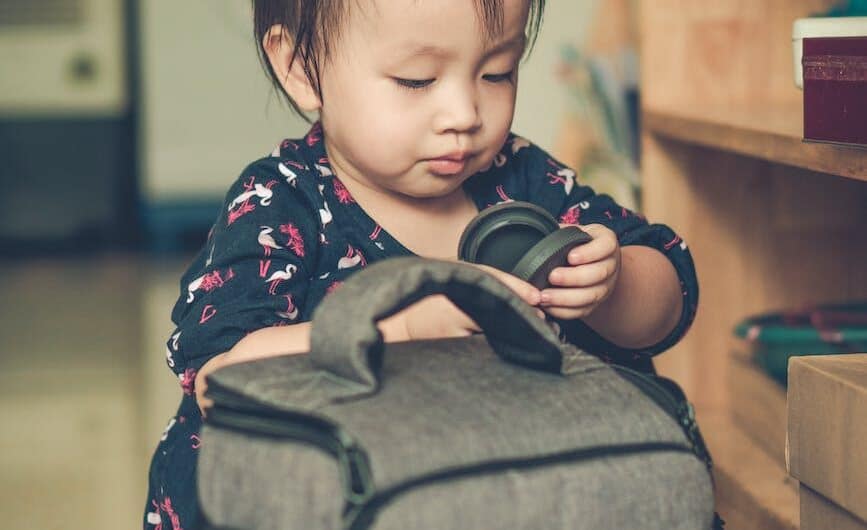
(572, 215)
(173, 517)
(208, 282)
(563, 175)
(295, 242)
(342, 193)
(375, 234)
(245, 208)
(670, 244)
(208, 313)
(263, 193)
(502, 193)
(264, 265)
(267, 240)
(197, 442)
(353, 258)
(188, 381)
(315, 134)
(280, 276)
(291, 312)
(241, 205)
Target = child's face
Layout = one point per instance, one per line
(415, 80)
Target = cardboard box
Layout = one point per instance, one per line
(818, 513)
(827, 430)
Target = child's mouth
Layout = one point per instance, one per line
(448, 165)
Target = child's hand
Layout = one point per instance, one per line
(436, 317)
(577, 290)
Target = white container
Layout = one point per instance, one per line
(822, 27)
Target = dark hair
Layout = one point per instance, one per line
(313, 24)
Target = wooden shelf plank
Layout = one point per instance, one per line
(758, 404)
(766, 132)
(753, 491)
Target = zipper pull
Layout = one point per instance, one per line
(686, 412)
(355, 474)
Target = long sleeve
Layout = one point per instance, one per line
(556, 188)
(252, 273)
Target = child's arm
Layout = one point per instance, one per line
(637, 294)
(629, 295)
(433, 317)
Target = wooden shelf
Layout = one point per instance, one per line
(766, 132)
(753, 491)
(758, 404)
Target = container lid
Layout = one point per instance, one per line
(829, 27)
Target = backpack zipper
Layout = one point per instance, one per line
(231, 412)
(361, 517)
(670, 397)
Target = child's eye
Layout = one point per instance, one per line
(413, 84)
(499, 78)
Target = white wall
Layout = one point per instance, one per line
(208, 109)
(541, 98)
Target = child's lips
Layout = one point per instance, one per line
(449, 165)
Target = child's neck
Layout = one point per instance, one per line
(429, 227)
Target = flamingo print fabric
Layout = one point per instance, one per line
(289, 233)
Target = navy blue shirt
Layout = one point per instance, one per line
(290, 232)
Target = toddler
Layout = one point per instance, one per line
(414, 101)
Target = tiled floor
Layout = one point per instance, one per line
(84, 389)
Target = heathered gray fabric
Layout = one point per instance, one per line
(377, 292)
(427, 406)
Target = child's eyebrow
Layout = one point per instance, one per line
(519, 41)
(417, 50)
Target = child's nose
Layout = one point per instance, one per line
(459, 112)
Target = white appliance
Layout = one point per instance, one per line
(61, 58)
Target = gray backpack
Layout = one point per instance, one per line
(510, 430)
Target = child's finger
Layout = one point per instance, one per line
(568, 313)
(572, 297)
(595, 250)
(586, 275)
(526, 291)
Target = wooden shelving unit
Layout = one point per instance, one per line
(772, 222)
(768, 132)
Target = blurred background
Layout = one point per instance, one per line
(122, 124)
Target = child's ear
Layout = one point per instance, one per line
(278, 47)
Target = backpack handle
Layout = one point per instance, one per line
(346, 341)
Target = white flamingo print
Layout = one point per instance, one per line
(264, 193)
(566, 177)
(519, 143)
(352, 259)
(170, 360)
(280, 276)
(267, 240)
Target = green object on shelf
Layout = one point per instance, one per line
(832, 329)
(850, 8)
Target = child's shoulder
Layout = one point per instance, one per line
(292, 168)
